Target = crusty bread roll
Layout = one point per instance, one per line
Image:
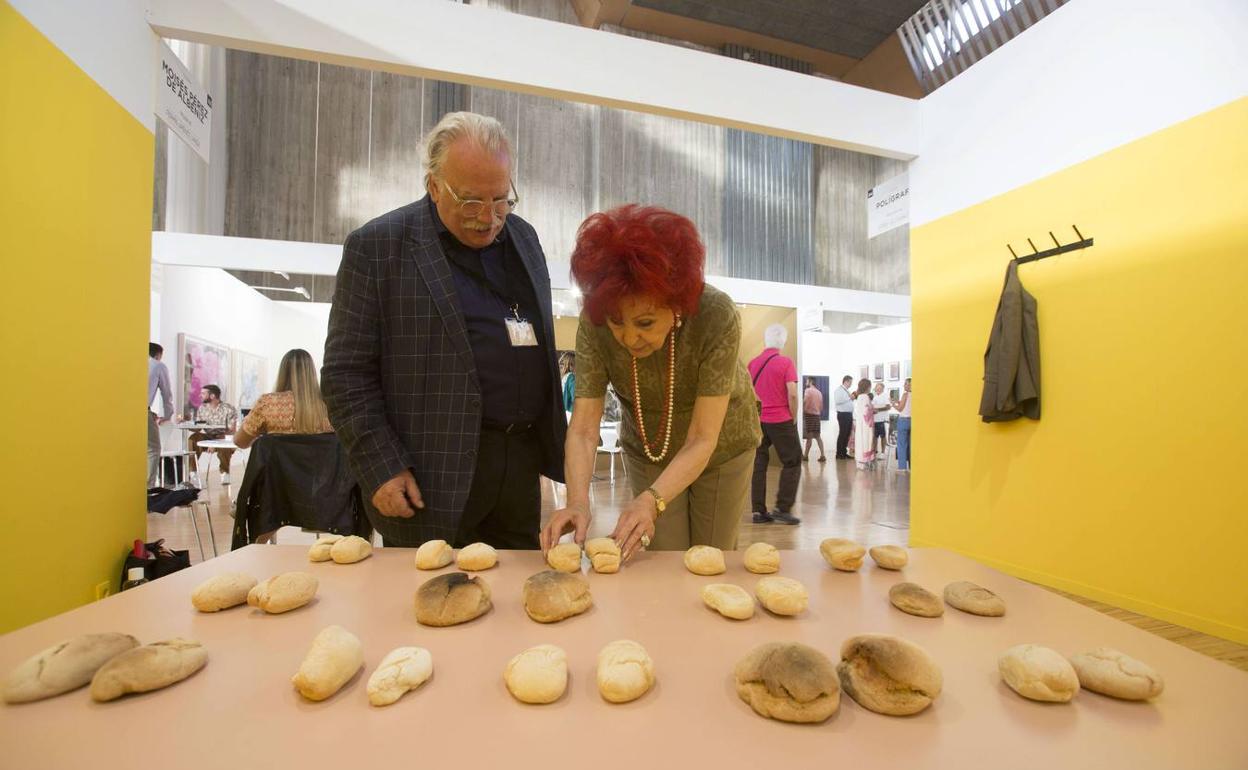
(977, 600)
(336, 654)
(148, 668)
(788, 681)
(1038, 673)
(450, 599)
(888, 674)
(729, 600)
(320, 549)
(434, 554)
(603, 554)
(625, 671)
(889, 556)
(565, 557)
(551, 596)
(914, 599)
(781, 595)
(845, 555)
(476, 557)
(284, 592)
(762, 559)
(704, 560)
(222, 591)
(350, 549)
(539, 674)
(1110, 672)
(63, 667)
(403, 669)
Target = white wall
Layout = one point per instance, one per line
(431, 38)
(211, 304)
(1091, 76)
(110, 41)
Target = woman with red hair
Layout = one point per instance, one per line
(667, 343)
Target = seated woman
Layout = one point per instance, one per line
(295, 407)
(667, 343)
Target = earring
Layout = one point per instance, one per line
(678, 321)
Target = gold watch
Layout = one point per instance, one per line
(660, 504)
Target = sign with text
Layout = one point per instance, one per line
(181, 102)
(888, 205)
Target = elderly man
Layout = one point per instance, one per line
(440, 372)
(775, 385)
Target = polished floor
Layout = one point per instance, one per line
(834, 500)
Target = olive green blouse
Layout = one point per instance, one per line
(706, 365)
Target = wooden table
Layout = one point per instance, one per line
(241, 711)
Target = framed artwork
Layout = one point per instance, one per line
(202, 363)
(823, 384)
(894, 371)
(894, 394)
(879, 372)
(905, 369)
(250, 379)
(864, 372)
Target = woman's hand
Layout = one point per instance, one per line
(636, 519)
(574, 517)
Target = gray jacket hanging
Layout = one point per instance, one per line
(1012, 361)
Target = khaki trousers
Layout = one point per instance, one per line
(707, 513)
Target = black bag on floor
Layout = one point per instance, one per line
(161, 500)
(162, 562)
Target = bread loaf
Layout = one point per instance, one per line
(565, 557)
(914, 599)
(888, 674)
(434, 554)
(729, 600)
(476, 557)
(603, 554)
(320, 549)
(1110, 672)
(704, 560)
(539, 674)
(450, 599)
(781, 595)
(1038, 673)
(63, 667)
(284, 592)
(402, 670)
(350, 549)
(625, 671)
(336, 655)
(222, 591)
(762, 559)
(845, 555)
(889, 556)
(551, 596)
(148, 668)
(788, 681)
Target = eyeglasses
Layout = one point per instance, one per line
(472, 207)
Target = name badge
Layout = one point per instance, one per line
(521, 333)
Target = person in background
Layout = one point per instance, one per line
(668, 342)
(864, 426)
(294, 406)
(568, 365)
(222, 417)
(881, 404)
(812, 419)
(440, 372)
(843, 403)
(903, 429)
(157, 382)
(775, 385)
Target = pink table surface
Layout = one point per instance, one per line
(242, 711)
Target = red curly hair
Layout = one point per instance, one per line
(638, 250)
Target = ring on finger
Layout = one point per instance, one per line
(645, 541)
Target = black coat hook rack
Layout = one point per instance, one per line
(1082, 243)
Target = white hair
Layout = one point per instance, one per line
(483, 130)
(775, 336)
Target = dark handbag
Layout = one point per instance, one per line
(160, 562)
(161, 500)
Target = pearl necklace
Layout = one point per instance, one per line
(667, 411)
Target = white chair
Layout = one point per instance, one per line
(179, 458)
(190, 509)
(609, 442)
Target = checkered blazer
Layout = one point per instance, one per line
(399, 376)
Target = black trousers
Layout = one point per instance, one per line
(504, 507)
(845, 423)
(784, 436)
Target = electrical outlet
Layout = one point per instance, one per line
(103, 589)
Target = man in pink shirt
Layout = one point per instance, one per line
(775, 384)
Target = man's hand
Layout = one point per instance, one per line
(399, 496)
(574, 517)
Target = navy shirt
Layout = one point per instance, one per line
(515, 381)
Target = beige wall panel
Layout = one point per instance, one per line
(396, 174)
(342, 152)
(272, 141)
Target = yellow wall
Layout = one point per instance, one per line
(1128, 489)
(75, 221)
